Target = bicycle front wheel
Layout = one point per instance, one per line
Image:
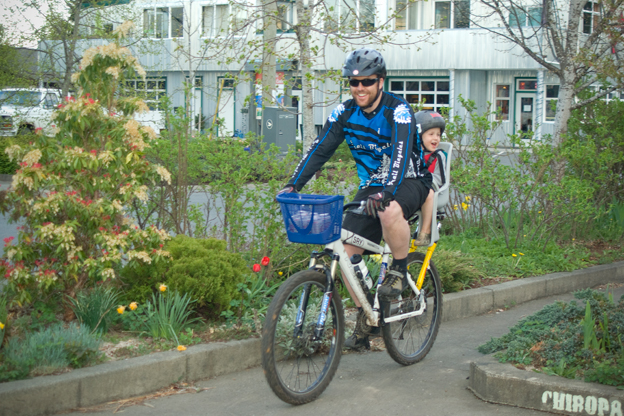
(297, 363)
(409, 340)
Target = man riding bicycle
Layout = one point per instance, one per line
(381, 133)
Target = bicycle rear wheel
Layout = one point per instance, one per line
(409, 340)
(297, 366)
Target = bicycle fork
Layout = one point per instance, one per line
(330, 272)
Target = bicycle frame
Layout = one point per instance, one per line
(340, 256)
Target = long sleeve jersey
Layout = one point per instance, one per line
(384, 144)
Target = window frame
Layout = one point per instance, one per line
(590, 15)
(500, 98)
(438, 90)
(410, 14)
(547, 102)
(453, 12)
(153, 102)
(339, 19)
(155, 9)
(528, 17)
(232, 14)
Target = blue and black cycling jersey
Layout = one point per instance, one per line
(384, 144)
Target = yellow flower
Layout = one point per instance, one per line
(1, 325)
(376, 257)
(162, 288)
(455, 207)
(281, 273)
(468, 198)
(133, 306)
(573, 239)
(464, 206)
(121, 309)
(514, 255)
(522, 254)
(181, 348)
(539, 212)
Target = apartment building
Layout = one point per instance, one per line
(437, 53)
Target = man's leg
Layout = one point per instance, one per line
(396, 230)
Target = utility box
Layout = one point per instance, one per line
(280, 127)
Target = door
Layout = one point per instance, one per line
(227, 104)
(525, 114)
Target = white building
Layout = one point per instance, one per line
(458, 58)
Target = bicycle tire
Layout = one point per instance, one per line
(299, 369)
(408, 341)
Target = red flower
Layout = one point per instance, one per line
(8, 240)
(256, 268)
(265, 261)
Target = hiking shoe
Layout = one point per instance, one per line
(359, 338)
(424, 239)
(393, 284)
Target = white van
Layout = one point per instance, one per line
(24, 110)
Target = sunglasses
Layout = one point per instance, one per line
(366, 82)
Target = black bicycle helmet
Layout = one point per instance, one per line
(428, 119)
(363, 63)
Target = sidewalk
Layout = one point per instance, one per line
(139, 376)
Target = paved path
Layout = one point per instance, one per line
(368, 383)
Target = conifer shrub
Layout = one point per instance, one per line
(206, 270)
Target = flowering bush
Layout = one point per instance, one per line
(71, 191)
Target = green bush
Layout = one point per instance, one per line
(7, 166)
(204, 269)
(49, 350)
(456, 270)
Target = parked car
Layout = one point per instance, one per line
(24, 110)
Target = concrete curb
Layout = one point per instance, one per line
(143, 375)
(504, 384)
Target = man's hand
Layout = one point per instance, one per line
(288, 189)
(377, 202)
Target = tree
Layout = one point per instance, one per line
(17, 65)
(552, 35)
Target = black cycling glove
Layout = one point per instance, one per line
(377, 202)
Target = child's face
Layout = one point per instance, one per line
(431, 139)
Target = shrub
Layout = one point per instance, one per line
(49, 350)
(204, 269)
(73, 190)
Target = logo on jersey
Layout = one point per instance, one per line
(336, 113)
(402, 114)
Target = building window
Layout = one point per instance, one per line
(615, 95)
(591, 16)
(552, 93)
(406, 13)
(452, 14)
(531, 16)
(350, 16)
(163, 22)
(527, 85)
(153, 89)
(432, 94)
(502, 101)
(222, 19)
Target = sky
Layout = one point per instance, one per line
(20, 21)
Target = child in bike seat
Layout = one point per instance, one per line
(430, 128)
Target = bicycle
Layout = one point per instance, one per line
(303, 332)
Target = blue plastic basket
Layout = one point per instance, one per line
(312, 219)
